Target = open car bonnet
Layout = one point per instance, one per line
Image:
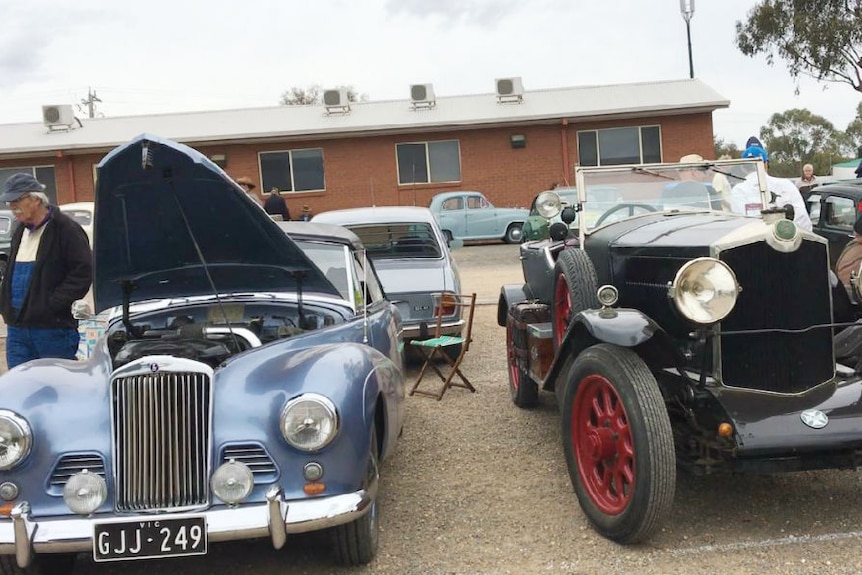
(170, 223)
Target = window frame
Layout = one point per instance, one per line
(266, 188)
(429, 168)
(50, 186)
(640, 143)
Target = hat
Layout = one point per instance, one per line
(755, 152)
(19, 184)
(753, 141)
(857, 227)
(246, 181)
(305, 208)
(691, 159)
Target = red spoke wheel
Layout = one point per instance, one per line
(618, 443)
(523, 390)
(575, 287)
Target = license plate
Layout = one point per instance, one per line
(150, 538)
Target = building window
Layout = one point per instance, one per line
(615, 146)
(427, 162)
(292, 170)
(45, 174)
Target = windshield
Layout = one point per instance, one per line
(614, 193)
(398, 240)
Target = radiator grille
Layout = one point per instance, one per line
(779, 291)
(161, 440)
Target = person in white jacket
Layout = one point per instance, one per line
(745, 196)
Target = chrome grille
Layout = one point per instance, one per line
(161, 440)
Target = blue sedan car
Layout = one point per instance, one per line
(467, 215)
(236, 392)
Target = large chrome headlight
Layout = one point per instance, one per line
(704, 290)
(548, 204)
(16, 439)
(309, 422)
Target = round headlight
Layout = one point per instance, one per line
(15, 439)
(85, 492)
(608, 295)
(309, 422)
(232, 482)
(548, 204)
(704, 290)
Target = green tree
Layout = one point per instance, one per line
(723, 148)
(314, 94)
(796, 137)
(817, 38)
(854, 132)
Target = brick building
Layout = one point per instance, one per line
(509, 144)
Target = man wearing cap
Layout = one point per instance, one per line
(785, 192)
(50, 266)
(246, 184)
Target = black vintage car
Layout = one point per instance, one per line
(834, 208)
(681, 336)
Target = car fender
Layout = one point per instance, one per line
(510, 295)
(624, 327)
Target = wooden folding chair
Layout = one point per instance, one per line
(449, 348)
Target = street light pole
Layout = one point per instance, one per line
(686, 8)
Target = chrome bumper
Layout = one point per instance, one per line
(24, 537)
(409, 332)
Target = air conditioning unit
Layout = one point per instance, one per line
(60, 115)
(422, 96)
(336, 101)
(509, 89)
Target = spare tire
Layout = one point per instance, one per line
(575, 287)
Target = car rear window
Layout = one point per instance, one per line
(398, 240)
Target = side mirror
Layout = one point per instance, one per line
(81, 310)
(456, 243)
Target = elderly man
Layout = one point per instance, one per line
(747, 193)
(807, 181)
(50, 266)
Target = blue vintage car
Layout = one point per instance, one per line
(235, 393)
(468, 215)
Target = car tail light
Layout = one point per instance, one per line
(447, 305)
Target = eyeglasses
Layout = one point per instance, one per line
(18, 199)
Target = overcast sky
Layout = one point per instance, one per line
(160, 56)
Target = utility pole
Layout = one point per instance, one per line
(90, 102)
(686, 9)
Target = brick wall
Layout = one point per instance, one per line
(362, 171)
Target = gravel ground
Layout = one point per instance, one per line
(478, 486)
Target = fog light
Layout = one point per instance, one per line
(232, 482)
(312, 471)
(85, 492)
(8, 491)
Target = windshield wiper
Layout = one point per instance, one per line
(717, 171)
(652, 173)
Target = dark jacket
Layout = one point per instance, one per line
(62, 273)
(276, 206)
